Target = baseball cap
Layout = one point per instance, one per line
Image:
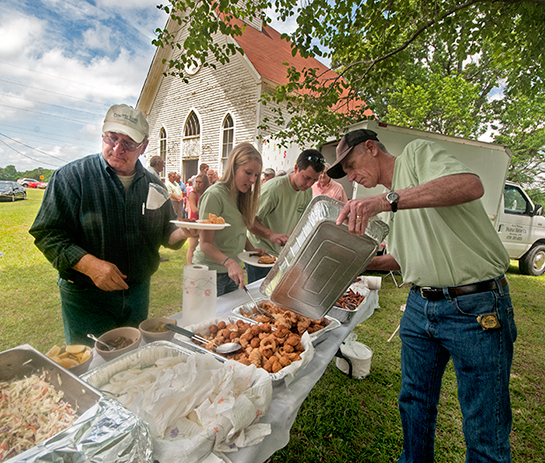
(269, 171)
(344, 148)
(126, 120)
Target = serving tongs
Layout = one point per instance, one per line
(259, 309)
(226, 348)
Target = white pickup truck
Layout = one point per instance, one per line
(518, 221)
(521, 227)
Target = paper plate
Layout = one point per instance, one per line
(252, 260)
(200, 225)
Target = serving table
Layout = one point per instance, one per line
(286, 399)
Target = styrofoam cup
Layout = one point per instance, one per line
(374, 282)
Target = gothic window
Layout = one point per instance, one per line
(192, 126)
(228, 137)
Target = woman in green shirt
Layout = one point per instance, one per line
(235, 198)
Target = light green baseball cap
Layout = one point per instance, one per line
(125, 119)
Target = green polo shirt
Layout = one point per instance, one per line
(280, 208)
(443, 246)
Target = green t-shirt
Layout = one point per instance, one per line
(444, 246)
(280, 208)
(231, 240)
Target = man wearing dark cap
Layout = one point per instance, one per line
(101, 223)
(459, 305)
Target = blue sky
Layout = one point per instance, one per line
(62, 65)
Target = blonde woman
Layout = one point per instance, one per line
(235, 198)
(200, 185)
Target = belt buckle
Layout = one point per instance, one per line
(422, 289)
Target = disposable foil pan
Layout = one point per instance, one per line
(320, 260)
(104, 430)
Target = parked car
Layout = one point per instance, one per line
(41, 185)
(10, 191)
(26, 181)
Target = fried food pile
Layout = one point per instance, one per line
(262, 346)
(296, 323)
(350, 300)
(212, 218)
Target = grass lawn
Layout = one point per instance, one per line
(342, 420)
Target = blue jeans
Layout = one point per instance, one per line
(432, 332)
(91, 310)
(256, 273)
(224, 284)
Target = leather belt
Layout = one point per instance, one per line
(434, 293)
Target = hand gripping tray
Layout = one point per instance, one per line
(320, 260)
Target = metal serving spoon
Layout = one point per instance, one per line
(94, 338)
(259, 309)
(227, 348)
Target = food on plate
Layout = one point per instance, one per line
(187, 220)
(262, 346)
(31, 411)
(263, 258)
(212, 218)
(266, 259)
(296, 323)
(70, 356)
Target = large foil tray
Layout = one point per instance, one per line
(24, 361)
(315, 337)
(139, 358)
(320, 260)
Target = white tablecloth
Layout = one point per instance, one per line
(286, 400)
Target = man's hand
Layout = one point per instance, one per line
(278, 238)
(105, 275)
(359, 211)
(182, 234)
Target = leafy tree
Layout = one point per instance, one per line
(9, 173)
(420, 63)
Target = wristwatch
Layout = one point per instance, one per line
(392, 197)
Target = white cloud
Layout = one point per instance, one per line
(97, 38)
(17, 34)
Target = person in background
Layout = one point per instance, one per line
(101, 223)
(281, 173)
(201, 185)
(203, 168)
(176, 196)
(268, 173)
(156, 165)
(458, 306)
(235, 198)
(283, 201)
(326, 186)
(211, 176)
(183, 188)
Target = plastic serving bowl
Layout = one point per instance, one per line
(151, 336)
(126, 332)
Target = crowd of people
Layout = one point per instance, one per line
(104, 217)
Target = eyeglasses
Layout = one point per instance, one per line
(126, 145)
(316, 159)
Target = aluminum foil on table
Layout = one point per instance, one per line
(195, 408)
(320, 260)
(104, 430)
